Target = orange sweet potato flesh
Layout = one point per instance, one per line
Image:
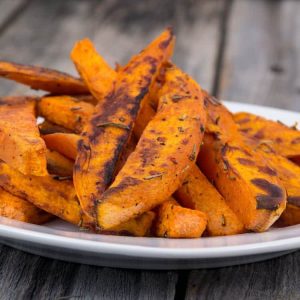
(59, 198)
(174, 221)
(93, 69)
(64, 143)
(198, 193)
(20, 143)
(283, 139)
(39, 78)
(16, 208)
(257, 197)
(58, 164)
(66, 111)
(163, 156)
(106, 135)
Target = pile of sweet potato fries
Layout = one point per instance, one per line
(141, 150)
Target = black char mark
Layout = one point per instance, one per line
(273, 198)
(294, 200)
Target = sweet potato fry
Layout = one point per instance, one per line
(93, 69)
(283, 139)
(64, 143)
(20, 143)
(57, 164)
(238, 171)
(39, 78)
(174, 221)
(106, 135)
(163, 155)
(54, 196)
(198, 193)
(19, 209)
(59, 198)
(66, 111)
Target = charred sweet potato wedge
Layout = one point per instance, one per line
(54, 196)
(58, 197)
(237, 171)
(163, 156)
(198, 193)
(45, 79)
(58, 164)
(66, 111)
(63, 143)
(106, 135)
(283, 139)
(20, 143)
(16, 208)
(174, 221)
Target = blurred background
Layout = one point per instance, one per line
(240, 50)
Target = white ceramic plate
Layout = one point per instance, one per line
(60, 240)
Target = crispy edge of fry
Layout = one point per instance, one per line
(16, 208)
(46, 127)
(174, 221)
(157, 167)
(39, 78)
(198, 193)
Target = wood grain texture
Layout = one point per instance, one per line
(46, 32)
(26, 276)
(273, 279)
(262, 54)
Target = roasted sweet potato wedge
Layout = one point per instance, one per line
(58, 197)
(174, 221)
(58, 164)
(238, 171)
(93, 69)
(39, 78)
(64, 143)
(106, 135)
(66, 111)
(16, 208)
(283, 139)
(20, 143)
(163, 156)
(54, 196)
(198, 193)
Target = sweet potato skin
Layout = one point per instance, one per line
(163, 155)
(20, 143)
(283, 139)
(64, 143)
(46, 127)
(16, 208)
(39, 78)
(106, 135)
(174, 221)
(237, 170)
(198, 193)
(66, 111)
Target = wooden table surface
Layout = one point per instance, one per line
(243, 50)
